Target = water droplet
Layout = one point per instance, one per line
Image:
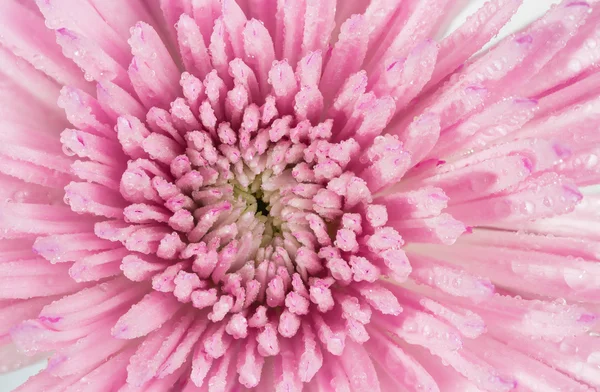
(528, 208)
(567, 348)
(591, 43)
(575, 65)
(591, 161)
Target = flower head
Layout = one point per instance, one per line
(299, 195)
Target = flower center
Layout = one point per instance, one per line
(261, 206)
(254, 208)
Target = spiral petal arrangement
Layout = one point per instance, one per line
(317, 195)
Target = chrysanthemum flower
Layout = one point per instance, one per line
(282, 195)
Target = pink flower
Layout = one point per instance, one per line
(279, 195)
